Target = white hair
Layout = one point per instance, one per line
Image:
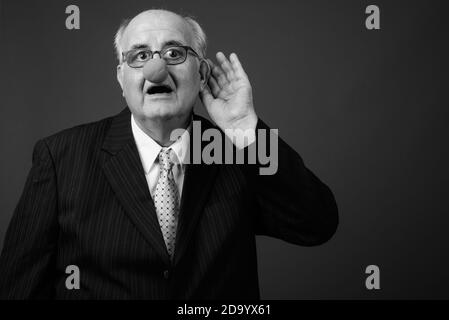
(199, 36)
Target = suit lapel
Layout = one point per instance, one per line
(125, 174)
(198, 183)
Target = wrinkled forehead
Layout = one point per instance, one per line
(155, 30)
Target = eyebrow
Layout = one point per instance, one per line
(165, 44)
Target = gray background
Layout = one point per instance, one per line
(367, 110)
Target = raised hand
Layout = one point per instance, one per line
(228, 95)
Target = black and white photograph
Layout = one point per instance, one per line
(224, 151)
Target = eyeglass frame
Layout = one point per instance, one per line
(187, 48)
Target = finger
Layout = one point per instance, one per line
(215, 74)
(237, 66)
(226, 65)
(219, 74)
(214, 86)
(206, 96)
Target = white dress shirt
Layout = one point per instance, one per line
(149, 151)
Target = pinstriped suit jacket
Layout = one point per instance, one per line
(86, 203)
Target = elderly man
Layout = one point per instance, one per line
(119, 202)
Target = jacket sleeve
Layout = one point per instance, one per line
(27, 262)
(292, 204)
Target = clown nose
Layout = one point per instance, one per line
(155, 70)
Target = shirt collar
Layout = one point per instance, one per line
(149, 149)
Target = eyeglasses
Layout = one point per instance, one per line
(136, 58)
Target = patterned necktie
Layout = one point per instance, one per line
(166, 200)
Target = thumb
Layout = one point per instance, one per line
(206, 96)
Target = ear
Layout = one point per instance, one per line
(120, 75)
(204, 72)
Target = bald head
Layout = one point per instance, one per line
(147, 20)
(160, 30)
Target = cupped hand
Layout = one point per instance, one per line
(228, 96)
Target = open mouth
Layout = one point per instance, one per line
(158, 89)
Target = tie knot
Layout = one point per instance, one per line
(165, 158)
